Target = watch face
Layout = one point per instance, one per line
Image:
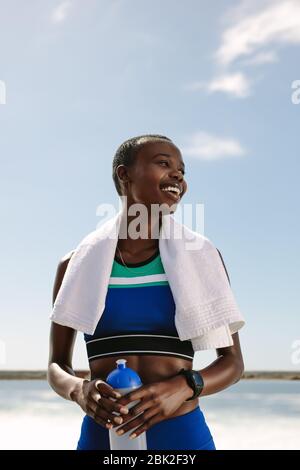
(197, 378)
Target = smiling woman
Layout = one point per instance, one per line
(145, 167)
(138, 324)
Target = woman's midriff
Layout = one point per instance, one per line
(151, 368)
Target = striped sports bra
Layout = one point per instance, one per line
(139, 313)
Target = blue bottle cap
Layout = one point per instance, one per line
(123, 377)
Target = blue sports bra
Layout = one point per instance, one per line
(139, 314)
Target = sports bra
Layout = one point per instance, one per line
(139, 314)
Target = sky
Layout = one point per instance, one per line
(221, 79)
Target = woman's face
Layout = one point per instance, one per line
(158, 165)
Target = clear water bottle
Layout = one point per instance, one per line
(124, 380)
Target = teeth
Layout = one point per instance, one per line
(172, 188)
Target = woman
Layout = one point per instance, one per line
(146, 169)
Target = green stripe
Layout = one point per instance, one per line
(120, 286)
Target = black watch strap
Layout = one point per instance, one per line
(194, 380)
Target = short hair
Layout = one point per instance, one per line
(127, 152)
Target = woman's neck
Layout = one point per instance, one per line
(147, 241)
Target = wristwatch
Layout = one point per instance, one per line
(194, 380)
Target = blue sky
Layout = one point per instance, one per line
(77, 78)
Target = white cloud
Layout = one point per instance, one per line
(60, 12)
(236, 84)
(262, 58)
(255, 29)
(277, 22)
(205, 146)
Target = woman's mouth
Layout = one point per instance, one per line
(172, 191)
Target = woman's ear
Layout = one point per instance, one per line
(122, 175)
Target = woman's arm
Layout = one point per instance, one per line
(60, 374)
(93, 396)
(226, 370)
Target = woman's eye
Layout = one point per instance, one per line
(165, 161)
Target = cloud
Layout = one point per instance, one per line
(205, 146)
(277, 22)
(236, 84)
(60, 12)
(253, 31)
(262, 58)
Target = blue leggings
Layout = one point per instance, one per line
(185, 432)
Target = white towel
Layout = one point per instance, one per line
(206, 311)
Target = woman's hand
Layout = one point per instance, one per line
(98, 400)
(159, 400)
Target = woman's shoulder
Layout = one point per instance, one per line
(63, 263)
(66, 258)
(60, 272)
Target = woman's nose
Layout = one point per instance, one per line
(177, 173)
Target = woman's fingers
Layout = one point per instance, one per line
(142, 422)
(150, 419)
(138, 410)
(104, 409)
(106, 389)
(114, 409)
(100, 416)
(108, 403)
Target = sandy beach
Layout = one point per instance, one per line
(252, 414)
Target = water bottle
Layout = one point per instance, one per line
(124, 380)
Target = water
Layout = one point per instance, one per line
(256, 414)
